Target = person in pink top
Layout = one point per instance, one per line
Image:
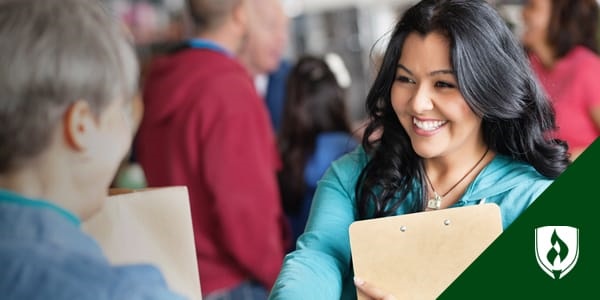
(561, 38)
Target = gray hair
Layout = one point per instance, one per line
(53, 53)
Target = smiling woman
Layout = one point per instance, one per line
(441, 126)
(428, 103)
(464, 122)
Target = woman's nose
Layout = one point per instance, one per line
(421, 100)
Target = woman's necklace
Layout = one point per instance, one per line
(436, 201)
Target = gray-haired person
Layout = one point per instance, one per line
(67, 79)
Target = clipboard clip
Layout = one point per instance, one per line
(447, 222)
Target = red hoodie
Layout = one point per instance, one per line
(206, 128)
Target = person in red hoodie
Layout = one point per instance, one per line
(206, 128)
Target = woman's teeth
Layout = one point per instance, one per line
(428, 125)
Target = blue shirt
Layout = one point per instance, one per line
(45, 255)
(329, 146)
(320, 268)
(275, 94)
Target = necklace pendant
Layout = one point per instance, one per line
(435, 202)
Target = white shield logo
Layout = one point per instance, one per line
(556, 249)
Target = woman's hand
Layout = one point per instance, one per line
(370, 291)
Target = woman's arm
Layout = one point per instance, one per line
(317, 268)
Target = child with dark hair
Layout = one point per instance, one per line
(314, 133)
(463, 122)
(67, 79)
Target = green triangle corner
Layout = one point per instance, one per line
(508, 269)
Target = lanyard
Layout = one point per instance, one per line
(208, 45)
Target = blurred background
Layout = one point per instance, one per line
(354, 29)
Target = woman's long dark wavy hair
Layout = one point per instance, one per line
(315, 103)
(496, 81)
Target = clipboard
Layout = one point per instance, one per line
(150, 226)
(417, 256)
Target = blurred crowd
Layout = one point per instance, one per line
(251, 132)
(206, 94)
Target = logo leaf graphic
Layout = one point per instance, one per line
(563, 249)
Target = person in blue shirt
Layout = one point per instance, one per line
(275, 92)
(315, 132)
(463, 122)
(68, 76)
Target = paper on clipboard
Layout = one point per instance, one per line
(151, 226)
(417, 256)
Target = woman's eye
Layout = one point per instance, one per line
(404, 79)
(443, 84)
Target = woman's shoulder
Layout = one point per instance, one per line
(506, 174)
(512, 184)
(355, 159)
(507, 167)
(583, 53)
(583, 59)
(347, 168)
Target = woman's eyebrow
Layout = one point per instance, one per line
(432, 73)
(437, 72)
(400, 66)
